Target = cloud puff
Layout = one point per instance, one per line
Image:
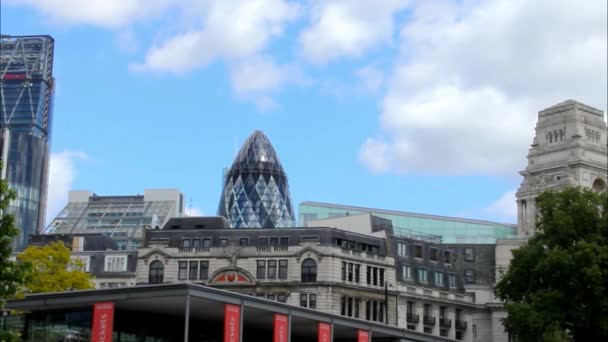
(347, 28)
(504, 209)
(471, 77)
(62, 173)
(193, 212)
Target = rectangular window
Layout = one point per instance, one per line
(446, 257)
(381, 312)
(350, 307)
(206, 243)
(282, 298)
(243, 242)
(261, 269)
(452, 279)
(357, 272)
(343, 306)
(422, 275)
(223, 242)
(458, 314)
(468, 254)
(369, 275)
(204, 270)
(427, 310)
(368, 310)
(303, 300)
(375, 276)
(469, 276)
(183, 270)
(282, 269)
(357, 304)
(350, 271)
(434, 254)
(274, 242)
(270, 296)
(264, 242)
(185, 243)
(410, 308)
(381, 276)
(402, 247)
(343, 271)
(442, 311)
(272, 269)
(418, 251)
(115, 263)
(407, 273)
(193, 274)
(312, 301)
(284, 242)
(438, 278)
(374, 311)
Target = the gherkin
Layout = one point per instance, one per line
(256, 192)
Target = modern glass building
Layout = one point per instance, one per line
(123, 218)
(256, 191)
(451, 229)
(26, 102)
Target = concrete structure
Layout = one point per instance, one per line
(124, 218)
(569, 149)
(26, 112)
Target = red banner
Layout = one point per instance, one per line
(280, 328)
(362, 336)
(232, 323)
(324, 332)
(103, 319)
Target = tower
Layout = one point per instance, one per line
(256, 191)
(26, 94)
(569, 149)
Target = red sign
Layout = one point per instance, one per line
(280, 328)
(324, 332)
(232, 323)
(14, 76)
(103, 319)
(362, 336)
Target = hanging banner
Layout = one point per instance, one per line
(232, 323)
(324, 332)
(362, 336)
(103, 319)
(281, 328)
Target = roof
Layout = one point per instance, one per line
(570, 103)
(197, 222)
(257, 154)
(404, 213)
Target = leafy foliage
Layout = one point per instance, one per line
(53, 270)
(555, 288)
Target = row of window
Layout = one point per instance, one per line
(352, 272)
(243, 242)
(193, 270)
(357, 246)
(438, 276)
(281, 297)
(112, 263)
(267, 269)
(406, 249)
(374, 309)
(308, 300)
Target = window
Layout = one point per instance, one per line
(261, 269)
(263, 242)
(434, 254)
(312, 301)
(282, 269)
(381, 276)
(442, 312)
(343, 271)
(272, 269)
(304, 300)
(270, 296)
(196, 243)
(157, 270)
(282, 298)
(452, 279)
(243, 242)
(183, 270)
(438, 278)
(418, 251)
(84, 261)
(369, 275)
(446, 257)
(407, 273)
(468, 254)
(274, 242)
(284, 242)
(422, 275)
(350, 271)
(193, 274)
(309, 271)
(223, 242)
(204, 270)
(206, 243)
(116, 263)
(427, 310)
(469, 276)
(357, 304)
(402, 247)
(357, 272)
(185, 243)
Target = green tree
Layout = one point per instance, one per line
(555, 287)
(53, 270)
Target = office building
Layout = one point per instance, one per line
(123, 218)
(256, 191)
(26, 112)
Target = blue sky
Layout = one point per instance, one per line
(424, 106)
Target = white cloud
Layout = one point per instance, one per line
(504, 209)
(471, 77)
(106, 13)
(370, 78)
(62, 173)
(193, 211)
(341, 28)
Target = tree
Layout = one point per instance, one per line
(53, 270)
(555, 287)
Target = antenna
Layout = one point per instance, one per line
(190, 207)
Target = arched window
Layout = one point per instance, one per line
(598, 185)
(157, 270)
(309, 271)
(524, 210)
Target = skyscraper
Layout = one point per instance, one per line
(256, 192)
(26, 99)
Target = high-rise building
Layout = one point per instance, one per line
(256, 192)
(124, 218)
(569, 149)
(26, 103)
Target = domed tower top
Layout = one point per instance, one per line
(256, 191)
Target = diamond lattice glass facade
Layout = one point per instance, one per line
(256, 191)
(26, 94)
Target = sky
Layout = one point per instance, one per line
(420, 106)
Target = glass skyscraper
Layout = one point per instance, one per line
(26, 102)
(256, 192)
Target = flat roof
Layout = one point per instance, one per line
(405, 213)
(206, 303)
